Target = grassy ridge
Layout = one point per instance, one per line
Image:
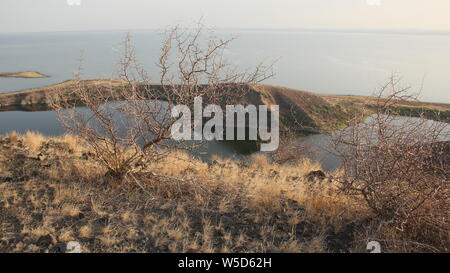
(429, 110)
(315, 113)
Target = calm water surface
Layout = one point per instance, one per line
(322, 62)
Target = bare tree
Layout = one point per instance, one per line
(291, 149)
(400, 166)
(127, 122)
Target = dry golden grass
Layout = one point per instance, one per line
(263, 185)
(33, 140)
(180, 204)
(13, 137)
(85, 231)
(367, 100)
(72, 142)
(70, 210)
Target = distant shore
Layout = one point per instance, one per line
(28, 74)
(319, 113)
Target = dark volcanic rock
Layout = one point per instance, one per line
(316, 175)
(44, 241)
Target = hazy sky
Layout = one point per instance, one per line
(58, 15)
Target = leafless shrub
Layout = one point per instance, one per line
(291, 149)
(127, 122)
(400, 166)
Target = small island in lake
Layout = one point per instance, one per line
(29, 74)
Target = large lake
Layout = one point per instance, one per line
(322, 62)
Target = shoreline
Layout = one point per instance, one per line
(322, 113)
(23, 75)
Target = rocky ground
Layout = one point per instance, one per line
(52, 191)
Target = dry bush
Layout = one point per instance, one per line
(72, 141)
(400, 167)
(291, 149)
(13, 137)
(33, 140)
(128, 123)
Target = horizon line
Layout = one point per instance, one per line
(335, 30)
